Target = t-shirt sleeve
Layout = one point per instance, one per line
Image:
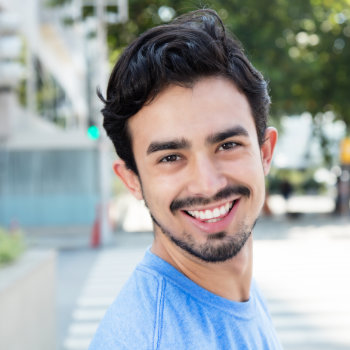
(130, 322)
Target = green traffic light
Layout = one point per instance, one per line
(93, 132)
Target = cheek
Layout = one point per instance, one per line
(250, 173)
(159, 191)
(248, 170)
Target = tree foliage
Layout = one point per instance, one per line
(301, 46)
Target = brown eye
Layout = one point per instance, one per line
(228, 145)
(170, 158)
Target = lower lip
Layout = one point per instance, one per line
(214, 227)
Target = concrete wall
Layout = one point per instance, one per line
(27, 303)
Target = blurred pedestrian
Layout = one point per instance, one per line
(286, 189)
(187, 114)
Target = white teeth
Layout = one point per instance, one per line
(208, 214)
(222, 210)
(213, 220)
(211, 215)
(216, 212)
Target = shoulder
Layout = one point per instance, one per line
(260, 300)
(131, 321)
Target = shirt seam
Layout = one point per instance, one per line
(159, 315)
(146, 269)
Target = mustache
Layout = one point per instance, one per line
(225, 193)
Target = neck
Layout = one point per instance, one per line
(230, 279)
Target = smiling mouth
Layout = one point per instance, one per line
(212, 215)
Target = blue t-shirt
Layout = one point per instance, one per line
(160, 308)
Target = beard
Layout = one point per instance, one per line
(220, 246)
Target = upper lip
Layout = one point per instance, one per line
(210, 206)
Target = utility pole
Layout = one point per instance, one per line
(98, 71)
(103, 164)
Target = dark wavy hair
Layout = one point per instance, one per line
(191, 47)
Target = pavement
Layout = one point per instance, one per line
(301, 263)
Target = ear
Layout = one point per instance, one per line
(267, 148)
(129, 178)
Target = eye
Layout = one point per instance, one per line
(170, 158)
(228, 145)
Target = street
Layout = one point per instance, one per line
(302, 266)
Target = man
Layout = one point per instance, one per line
(187, 114)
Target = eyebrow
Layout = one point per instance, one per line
(168, 145)
(223, 135)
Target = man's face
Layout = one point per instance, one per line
(201, 170)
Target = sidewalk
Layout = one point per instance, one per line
(303, 275)
(301, 263)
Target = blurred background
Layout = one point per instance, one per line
(70, 234)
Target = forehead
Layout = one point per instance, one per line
(211, 105)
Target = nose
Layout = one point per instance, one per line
(206, 178)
